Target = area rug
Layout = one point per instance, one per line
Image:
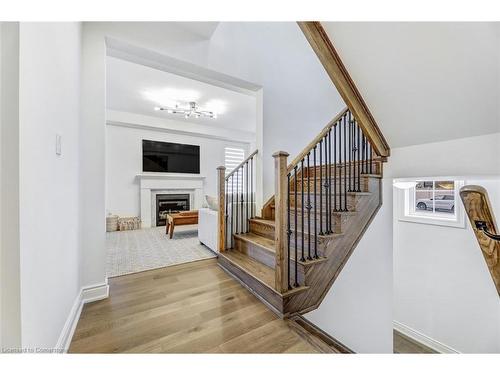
(145, 249)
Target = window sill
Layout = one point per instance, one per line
(455, 222)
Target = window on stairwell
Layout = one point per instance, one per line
(233, 156)
(431, 201)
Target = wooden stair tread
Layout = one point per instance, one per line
(251, 266)
(269, 245)
(263, 221)
(273, 224)
(260, 272)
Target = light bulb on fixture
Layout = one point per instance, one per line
(193, 110)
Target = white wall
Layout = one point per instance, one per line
(299, 97)
(429, 293)
(357, 310)
(10, 278)
(442, 286)
(49, 96)
(124, 162)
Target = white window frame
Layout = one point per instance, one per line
(406, 205)
(236, 152)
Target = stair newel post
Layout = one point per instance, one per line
(221, 186)
(280, 233)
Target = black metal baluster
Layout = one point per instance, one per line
(226, 216)
(345, 164)
(358, 157)
(302, 259)
(349, 148)
(242, 224)
(232, 208)
(288, 231)
(370, 157)
(327, 187)
(354, 182)
(315, 209)
(341, 182)
(246, 199)
(363, 159)
(308, 208)
(330, 180)
(320, 187)
(236, 205)
(251, 189)
(296, 284)
(335, 167)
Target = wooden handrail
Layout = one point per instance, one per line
(478, 208)
(330, 59)
(242, 163)
(315, 141)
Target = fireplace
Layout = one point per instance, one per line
(170, 203)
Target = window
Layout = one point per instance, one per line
(232, 158)
(432, 201)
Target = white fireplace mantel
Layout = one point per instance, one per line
(174, 183)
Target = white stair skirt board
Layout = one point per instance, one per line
(423, 339)
(87, 294)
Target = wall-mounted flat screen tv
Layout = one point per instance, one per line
(170, 157)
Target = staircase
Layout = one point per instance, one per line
(291, 254)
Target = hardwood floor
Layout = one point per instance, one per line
(405, 345)
(190, 308)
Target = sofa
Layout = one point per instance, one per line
(208, 233)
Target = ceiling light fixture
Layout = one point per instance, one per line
(192, 111)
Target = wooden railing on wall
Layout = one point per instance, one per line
(478, 208)
(323, 47)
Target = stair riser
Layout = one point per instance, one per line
(321, 246)
(339, 186)
(343, 168)
(267, 257)
(255, 251)
(262, 230)
(338, 219)
(268, 232)
(352, 202)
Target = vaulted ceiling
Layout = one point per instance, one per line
(424, 82)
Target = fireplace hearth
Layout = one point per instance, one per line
(170, 203)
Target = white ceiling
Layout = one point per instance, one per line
(138, 89)
(202, 29)
(424, 82)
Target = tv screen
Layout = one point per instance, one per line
(170, 157)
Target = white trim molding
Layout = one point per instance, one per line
(174, 183)
(405, 204)
(423, 339)
(87, 294)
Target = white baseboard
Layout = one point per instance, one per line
(423, 339)
(87, 294)
(95, 292)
